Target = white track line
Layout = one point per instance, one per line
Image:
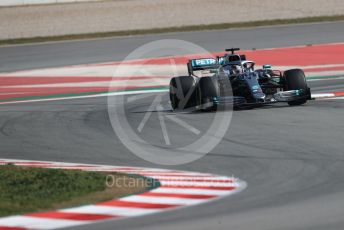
(163, 200)
(191, 191)
(107, 210)
(192, 183)
(322, 95)
(38, 223)
(87, 96)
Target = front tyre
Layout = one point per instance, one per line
(183, 92)
(295, 79)
(209, 93)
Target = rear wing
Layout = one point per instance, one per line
(203, 64)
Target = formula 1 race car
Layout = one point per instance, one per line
(233, 80)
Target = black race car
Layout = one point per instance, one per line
(233, 80)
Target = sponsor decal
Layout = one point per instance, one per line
(204, 62)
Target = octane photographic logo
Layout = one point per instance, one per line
(144, 121)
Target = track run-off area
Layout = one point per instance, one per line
(54, 107)
(318, 61)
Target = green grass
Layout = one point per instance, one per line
(174, 29)
(24, 189)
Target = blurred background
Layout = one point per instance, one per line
(33, 18)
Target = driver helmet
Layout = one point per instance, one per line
(236, 69)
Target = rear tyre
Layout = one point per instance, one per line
(295, 79)
(183, 93)
(209, 93)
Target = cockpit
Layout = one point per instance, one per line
(237, 64)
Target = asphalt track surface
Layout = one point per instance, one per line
(292, 158)
(116, 49)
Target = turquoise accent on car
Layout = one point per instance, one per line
(203, 62)
(267, 66)
(216, 100)
(221, 60)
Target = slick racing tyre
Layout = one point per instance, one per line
(183, 92)
(295, 80)
(208, 93)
